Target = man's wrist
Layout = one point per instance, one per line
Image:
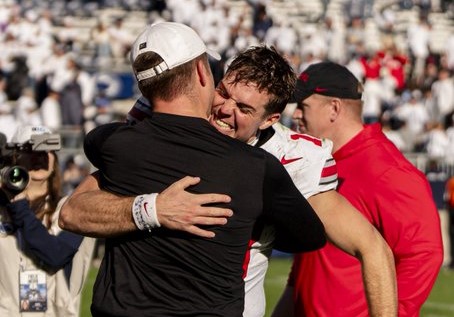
(144, 212)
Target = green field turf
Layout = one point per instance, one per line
(439, 304)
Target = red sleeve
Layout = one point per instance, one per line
(409, 221)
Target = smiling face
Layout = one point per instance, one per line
(239, 110)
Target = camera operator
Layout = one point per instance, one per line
(52, 264)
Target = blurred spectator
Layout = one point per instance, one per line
(282, 36)
(315, 45)
(450, 133)
(7, 120)
(27, 112)
(391, 128)
(74, 171)
(418, 36)
(443, 94)
(51, 111)
(101, 41)
(120, 39)
(394, 61)
(17, 79)
(55, 68)
(373, 88)
(430, 76)
(335, 40)
(449, 52)
(261, 21)
(101, 112)
(437, 141)
(71, 104)
(77, 93)
(183, 10)
(415, 116)
(67, 35)
(355, 35)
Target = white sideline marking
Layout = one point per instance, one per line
(441, 306)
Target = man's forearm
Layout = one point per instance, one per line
(379, 278)
(93, 212)
(344, 225)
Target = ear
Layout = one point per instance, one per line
(270, 120)
(202, 73)
(335, 109)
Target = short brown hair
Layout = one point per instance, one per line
(269, 70)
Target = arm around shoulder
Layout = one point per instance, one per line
(94, 212)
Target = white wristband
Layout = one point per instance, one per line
(144, 212)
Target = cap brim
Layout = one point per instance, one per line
(214, 54)
(300, 92)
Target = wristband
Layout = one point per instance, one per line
(144, 212)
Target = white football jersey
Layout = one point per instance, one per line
(312, 168)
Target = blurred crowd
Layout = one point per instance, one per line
(55, 55)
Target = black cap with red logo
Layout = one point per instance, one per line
(328, 79)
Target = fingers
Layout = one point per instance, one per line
(204, 199)
(195, 230)
(190, 221)
(200, 232)
(181, 210)
(185, 182)
(204, 216)
(200, 199)
(210, 221)
(214, 212)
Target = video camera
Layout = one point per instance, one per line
(13, 177)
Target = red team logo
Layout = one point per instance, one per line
(285, 160)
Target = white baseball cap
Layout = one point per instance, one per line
(175, 43)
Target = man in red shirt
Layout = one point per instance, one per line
(381, 183)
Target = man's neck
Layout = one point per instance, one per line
(343, 133)
(181, 106)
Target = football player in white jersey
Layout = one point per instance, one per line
(247, 106)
